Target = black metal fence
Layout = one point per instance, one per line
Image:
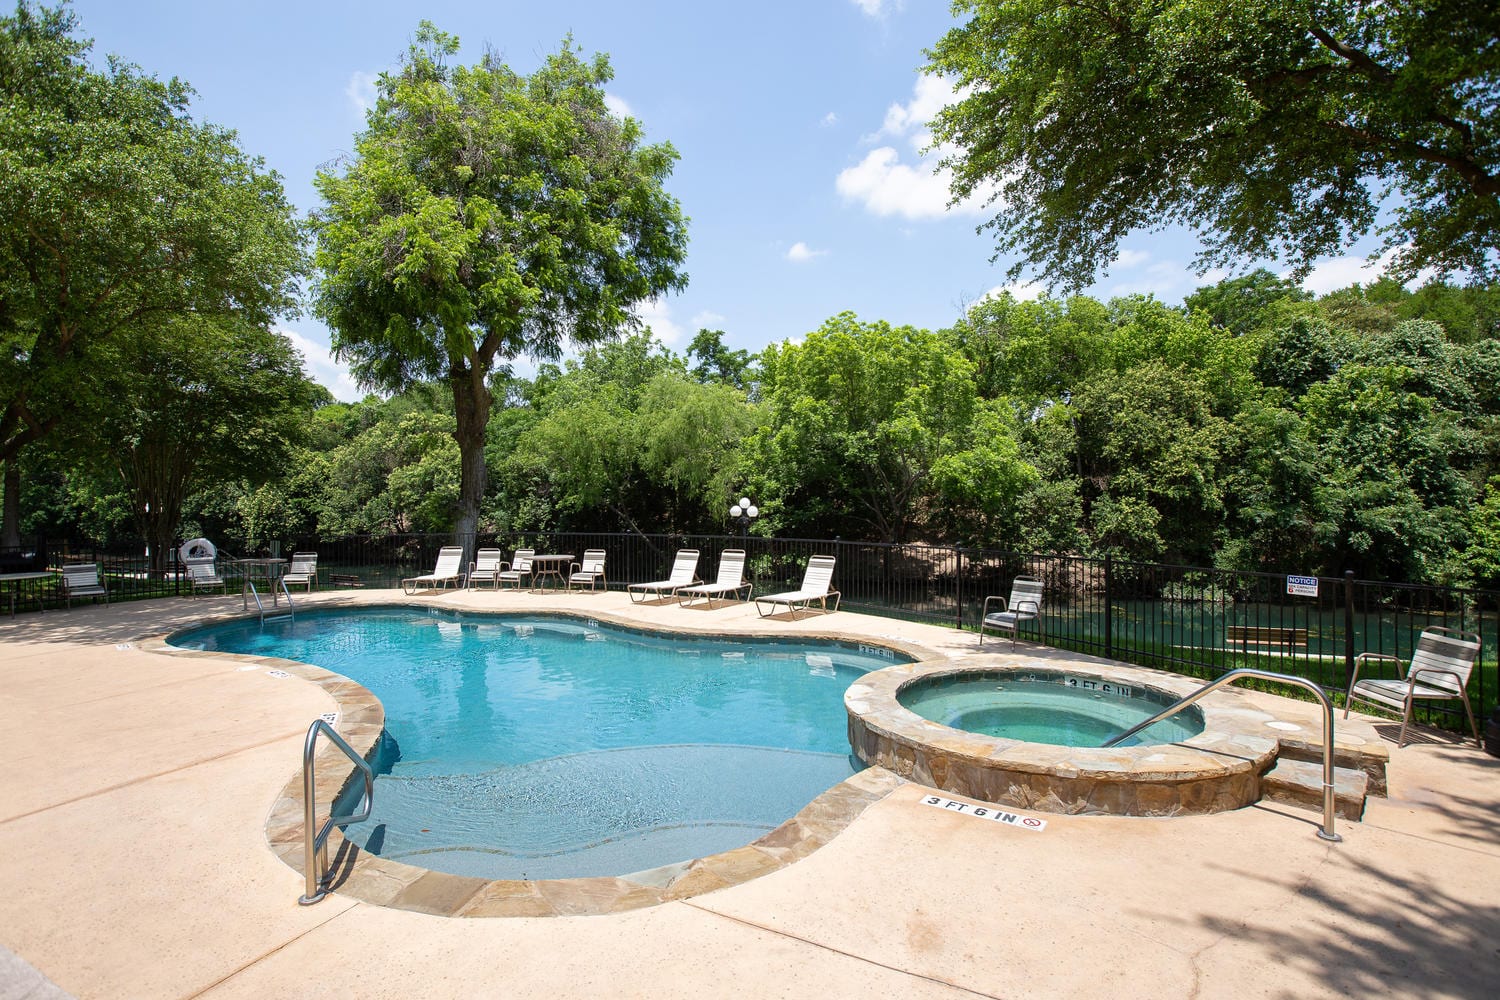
(1190, 619)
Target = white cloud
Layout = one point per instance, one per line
(887, 184)
(878, 8)
(1131, 258)
(361, 90)
(657, 314)
(1340, 272)
(830, 119)
(801, 253)
(929, 95)
(706, 319)
(618, 107)
(1021, 291)
(323, 369)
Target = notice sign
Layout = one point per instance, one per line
(1302, 586)
(986, 812)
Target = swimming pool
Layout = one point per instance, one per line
(550, 747)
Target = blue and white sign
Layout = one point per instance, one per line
(1302, 586)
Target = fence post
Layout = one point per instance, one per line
(1348, 626)
(1109, 609)
(960, 585)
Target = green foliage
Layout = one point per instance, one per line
(486, 215)
(117, 211)
(1274, 128)
(1483, 556)
(1252, 303)
(856, 417)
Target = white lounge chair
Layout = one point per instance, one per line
(590, 571)
(1024, 605)
(731, 580)
(684, 574)
(1439, 670)
(817, 583)
(447, 573)
(202, 574)
(303, 572)
(486, 567)
(82, 580)
(517, 570)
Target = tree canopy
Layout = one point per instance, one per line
(487, 215)
(1276, 129)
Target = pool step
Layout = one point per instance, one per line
(1300, 783)
(1371, 758)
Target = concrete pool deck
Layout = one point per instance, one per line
(134, 862)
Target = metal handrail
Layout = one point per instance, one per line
(316, 845)
(291, 611)
(1326, 831)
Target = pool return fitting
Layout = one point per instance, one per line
(1326, 832)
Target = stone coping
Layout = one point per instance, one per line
(361, 719)
(1216, 770)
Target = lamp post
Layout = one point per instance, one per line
(744, 512)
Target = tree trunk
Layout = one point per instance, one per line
(10, 530)
(471, 405)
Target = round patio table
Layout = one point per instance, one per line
(545, 567)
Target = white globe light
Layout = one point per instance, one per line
(744, 503)
(734, 511)
(754, 511)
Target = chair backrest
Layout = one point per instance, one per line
(449, 556)
(304, 563)
(1449, 650)
(201, 569)
(80, 575)
(522, 562)
(819, 576)
(487, 560)
(593, 561)
(1025, 595)
(684, 567)
(731, 568)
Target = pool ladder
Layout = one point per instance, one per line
(290, 611)
(1326, 832)
(315, 845)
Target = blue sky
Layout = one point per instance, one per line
(799, 126)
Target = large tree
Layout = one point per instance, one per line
(117, 210)
(1275, 128)
(487, 215)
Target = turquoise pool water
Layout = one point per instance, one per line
(551, 747)
(1059, 708)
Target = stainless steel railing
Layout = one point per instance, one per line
(316, 844)
(1326, 832)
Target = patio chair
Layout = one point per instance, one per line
(1023, 605)
(731, 580)
(590, 571)
(684, 574)
(82, 580)
(303, 572)
(1439, 670)
(203, 574)
(517, 570)
(446, 573)
(817, 581)
(486, 567)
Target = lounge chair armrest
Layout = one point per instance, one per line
(1359, 661)
(1417, 674)
(1004, 606)
(1028, 606)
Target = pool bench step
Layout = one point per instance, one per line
(1300, 783)
(1371, 758)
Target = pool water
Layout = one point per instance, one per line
(1047, 708)
(549, 747)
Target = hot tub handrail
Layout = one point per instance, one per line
(315, 845)
(1326, 831)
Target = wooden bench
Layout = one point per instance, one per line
(345, 580)
(1260, 635)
